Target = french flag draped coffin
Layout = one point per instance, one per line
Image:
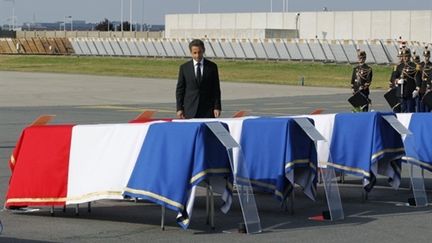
(278, 154)
(365, 144)
(67, 164)
(58, 165)
(287, 158)
(418, 145)
(167, 167)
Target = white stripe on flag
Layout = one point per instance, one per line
(324, 124)
(101, 160)
(405, 119)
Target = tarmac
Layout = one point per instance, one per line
(86, 99)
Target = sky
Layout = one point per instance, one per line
(153, 11)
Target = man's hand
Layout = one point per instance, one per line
(217, 113)
(180, 114)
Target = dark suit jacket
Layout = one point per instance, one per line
(198, 99)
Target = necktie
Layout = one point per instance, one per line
(198, 74)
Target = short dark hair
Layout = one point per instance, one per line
(198, 43)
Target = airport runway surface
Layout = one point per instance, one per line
(84, 99)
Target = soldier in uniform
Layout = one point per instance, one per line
(362, 77)
(416, 58)
(404, 79)
(390, 95)
(395, 68)
(423, 79)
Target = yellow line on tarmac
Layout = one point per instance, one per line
(241, 104)
(289, 108)
(141, 110)
(125, 108)
(109, 107)
(325, 102)
(280, 103)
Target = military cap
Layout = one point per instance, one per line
(406, 52)
(361, 54)
(426, 52)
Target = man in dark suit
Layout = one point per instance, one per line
(198, 92)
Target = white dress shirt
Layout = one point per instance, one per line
(196, 66)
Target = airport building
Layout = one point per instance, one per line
(338, 25)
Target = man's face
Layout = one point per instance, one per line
(406, 58)
(362, 60)
(197, 53)
(427, 58)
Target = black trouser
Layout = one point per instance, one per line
(407, 105)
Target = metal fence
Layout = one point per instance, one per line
(338, 51)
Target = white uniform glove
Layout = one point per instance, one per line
(415, 93)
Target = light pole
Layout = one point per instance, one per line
(130, 16)
(271, 6)
(13, 13)
(199, 6)
(70, 19)
(142, 16)
(121, 18)
(285, 5)
(9, 23)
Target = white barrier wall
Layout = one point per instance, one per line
(343, 25)
(421, 25)
(360, 21)
(340, 51)
(356, 25)
(215, 22)
(308, 26)
(257, 21)
(325, 25)
(400, 24)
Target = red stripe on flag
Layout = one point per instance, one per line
(40, 171)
